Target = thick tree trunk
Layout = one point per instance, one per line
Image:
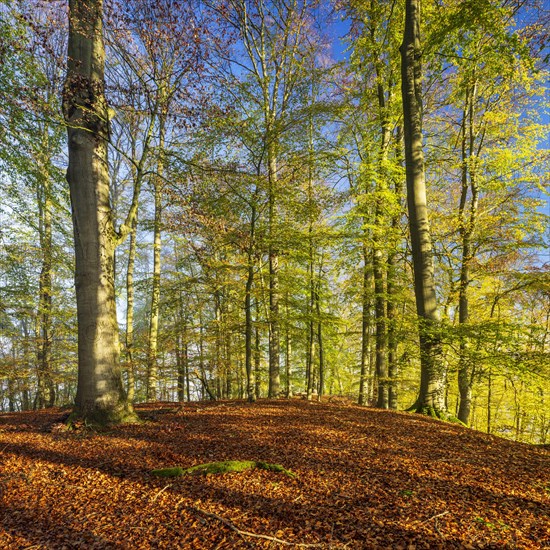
(100, 396)
(431, 398)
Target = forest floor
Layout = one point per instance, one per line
(366, 478)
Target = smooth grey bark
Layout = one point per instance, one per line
(379, 266)
(467, 220)
(46, 393)
(322, 373)
(274, 323)
(130, 291)
(431, 397)
(311, 324)
(364, 392)
(154, 318)
(257, 351)
(100, 396)
(392, 285)
(250, 374)
(152, 348)
(182, 363)
(288, 355)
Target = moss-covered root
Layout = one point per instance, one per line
(224, 467)
(275, 468)
(441, 415)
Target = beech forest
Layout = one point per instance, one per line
(213, 200)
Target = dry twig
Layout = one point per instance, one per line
(435, 517)
(235, 529)
(160, 492)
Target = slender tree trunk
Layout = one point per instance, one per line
(489, 400)
(365, 329)
(44, 352)
(274, 337)
(467, 226)
(100, 396)
(248, 351)
(288, 356)
(257, 352)
(182, 353)
(250, 382)
(11, 388)
(152, 350)
(320, 343)
(378, 264)
(392, 287)
(130, 363)
(431, 398)
(311, 322)
(380, 326)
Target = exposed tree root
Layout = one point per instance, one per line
(223, 467)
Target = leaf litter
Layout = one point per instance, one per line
(365, 479)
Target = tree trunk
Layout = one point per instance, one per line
(184, 387)
(378, 264)
(250, 382)
(365, 330)
(467, 227)
(321, 346)
(288, 355)
(431, 398)
(392, 286)
(100, 396)
(274, 337)
(152, 348)
(257, 352)
(130, 364)
(44, 352)
(248, 351)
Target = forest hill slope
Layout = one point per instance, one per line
(366, 479)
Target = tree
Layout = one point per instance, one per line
(100, 396)
(274, 45)
(431, 397)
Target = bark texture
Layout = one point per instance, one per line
(431, 398)
(100, 395)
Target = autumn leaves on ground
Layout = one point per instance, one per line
(366, 478)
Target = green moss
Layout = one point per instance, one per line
(455, 420)
(224, 467)
(439, 414)
(99, 417)
(275, 468)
